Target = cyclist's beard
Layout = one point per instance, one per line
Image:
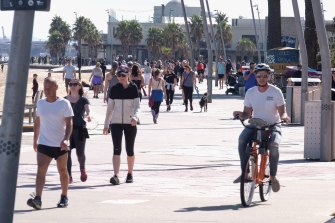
(263, 85)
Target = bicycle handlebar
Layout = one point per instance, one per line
(265, 127)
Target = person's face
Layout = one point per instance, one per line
(262, 78)
(50, 88)
(123, 78)
(74, 86)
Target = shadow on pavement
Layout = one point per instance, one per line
(220, 208)
(332, 220)
(184, 167)
(297, 161)
(32, 210)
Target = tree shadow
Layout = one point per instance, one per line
(332, 220)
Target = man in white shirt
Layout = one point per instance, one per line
(52, 130)
(69, 73)
(266, 102)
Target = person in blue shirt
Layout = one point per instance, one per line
(221, 72)
(250, 78)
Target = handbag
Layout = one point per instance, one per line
(151, 101)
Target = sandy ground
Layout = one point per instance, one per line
(42, 73)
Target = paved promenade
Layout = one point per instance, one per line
(185, 166)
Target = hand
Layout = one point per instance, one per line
(88, 118)
(237, 114)
(105, 131)
(64, 145)
(286, 119)
(133, 122)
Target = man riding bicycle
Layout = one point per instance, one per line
(266, 102)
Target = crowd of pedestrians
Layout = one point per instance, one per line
(61, 123)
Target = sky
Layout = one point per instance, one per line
(142, 10)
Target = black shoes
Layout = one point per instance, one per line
(129, 178)
(114, 180)
(191, 107)
(35, 202)
(63, 202)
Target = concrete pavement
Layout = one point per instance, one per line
(185, 166)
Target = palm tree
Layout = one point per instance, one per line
(197, 33)
(155, 41)
(274, 24)
(311, 37)
(222, 22)
(174, 36)
(246, 47)
(122, 33)
(136, 34)
(59, 36)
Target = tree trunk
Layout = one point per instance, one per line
(274, 24)
(311, 38)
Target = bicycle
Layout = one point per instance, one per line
(256, 169)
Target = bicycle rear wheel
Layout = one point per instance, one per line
(265, 187)
(248, 182)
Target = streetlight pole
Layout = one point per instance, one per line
(188, 34)
(260, 28)
(210, 53)
(304, 59)
(79, 47)
(326, 116)
(213, 39)
(222, 38)
(256, 36)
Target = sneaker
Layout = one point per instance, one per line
(83, 175)
(70, 180)
(35, 202)
(237, 180)
(129, 178)
(114, 180)
(63, 202)
(275, 184)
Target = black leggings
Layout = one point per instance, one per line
(188, 93)
(156, 107)
(78, 142)
(169, 97)
(129, 134)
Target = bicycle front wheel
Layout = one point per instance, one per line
(265, 187)
(248, 182)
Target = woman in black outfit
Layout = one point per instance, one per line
(170, 84)
(123, 112)
(80, 106)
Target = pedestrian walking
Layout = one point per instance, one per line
(69, 72)
(188, 83)
(110, 80)
(156, 92)
(147, 74)
(81, 111)
(170, 79)
(97, 79)
(35, 87)
(52, 130)
(123, 111)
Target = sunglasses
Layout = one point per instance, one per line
(121, 75)
(73, 84)
(262, 76)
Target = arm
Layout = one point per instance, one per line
(149, 88)
(63, 75)
(246, 77)
(106, 85)
(194, 79)
(68, 130)
(36, 132)
(283, 115)
(90, 77)
(137, 112)
(181, 82)
(74, 73)
(163, 87)
(110, 108)
(247, 111)
(87, 111)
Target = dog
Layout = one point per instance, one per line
(203, 102)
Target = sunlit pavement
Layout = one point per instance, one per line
(185, 166)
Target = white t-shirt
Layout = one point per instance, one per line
(52, 120)
(264, 104)
(69, 71)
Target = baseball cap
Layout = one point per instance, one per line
(122, 70)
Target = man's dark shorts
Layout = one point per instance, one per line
(52, 152)
(221, 76)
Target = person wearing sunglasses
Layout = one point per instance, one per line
(122, 115)
(266, 102)
(81, 110)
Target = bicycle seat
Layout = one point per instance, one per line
(257, 122)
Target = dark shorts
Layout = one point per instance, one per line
(221, 76)
(67, 81)
(52, 152)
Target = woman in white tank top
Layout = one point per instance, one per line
(156, 92)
